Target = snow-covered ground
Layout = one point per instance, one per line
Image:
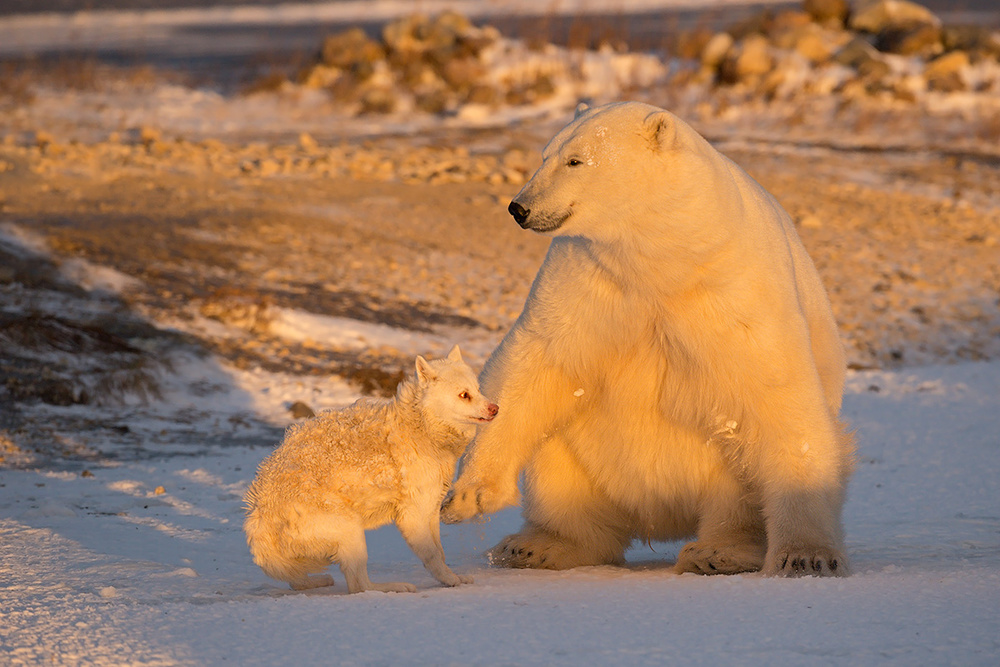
(140, 558)
(144, 562)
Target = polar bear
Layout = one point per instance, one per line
(676, 371)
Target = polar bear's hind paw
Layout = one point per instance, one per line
(702, 558)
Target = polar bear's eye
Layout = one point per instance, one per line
(574, 162)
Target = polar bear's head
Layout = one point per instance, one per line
(613, 167)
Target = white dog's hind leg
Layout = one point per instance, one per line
(352, 556)
(422, 531)
(568, 522)
(311, 581)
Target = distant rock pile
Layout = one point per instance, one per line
(893, 50)
(890, 48)
(446, 65)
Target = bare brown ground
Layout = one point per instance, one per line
(413, 233)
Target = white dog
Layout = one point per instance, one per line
(347, 471)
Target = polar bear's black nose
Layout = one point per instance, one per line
(519, 212)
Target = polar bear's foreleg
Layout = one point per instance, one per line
(568, 521)
(802, 496)
(531, 402)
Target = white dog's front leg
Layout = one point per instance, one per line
(422, 531)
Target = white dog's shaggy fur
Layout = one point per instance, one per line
(676, 370)
(347, 471)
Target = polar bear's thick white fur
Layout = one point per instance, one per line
(676, 370)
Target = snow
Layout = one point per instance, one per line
(104, 567)
(142, 560)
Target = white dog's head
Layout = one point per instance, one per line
(451, 391)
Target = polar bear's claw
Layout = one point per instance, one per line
(795, 563)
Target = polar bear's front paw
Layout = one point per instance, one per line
(709, 558)
(466, 502)
(804, 561)
(459, 506)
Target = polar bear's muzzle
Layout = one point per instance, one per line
(520, 214)
(540, 223)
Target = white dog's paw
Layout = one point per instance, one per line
(709, 558)
(806, 561)
(394, 587)
(456, 579)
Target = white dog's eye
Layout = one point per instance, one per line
(574, 162)
(465, 396)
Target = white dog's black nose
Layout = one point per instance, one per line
(519, 212)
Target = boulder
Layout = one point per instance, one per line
(351, 50)
(855, 53)
(750, 58)
(691, 43)
(917, 40)
(878, 16)
(715, 50)
(975, 39)
(827, 12)
(944, 74)
(812, 41)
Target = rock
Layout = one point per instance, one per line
(748, 59)
(787, 20)
(944, 74)
(973, 38)
(827, 12)
(300, 410)
(716, 49)
(378, 100)
(351, 50)
(321, 76)
(462, 74)
(757, 24)
(813, 42)
(433, 101)
(855, 53)
(879, 16)
(307, 142)
(875, 74)
(482, 94)
(922, 40)
(691, 43)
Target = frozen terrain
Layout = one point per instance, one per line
(180, 266)
(144, 562)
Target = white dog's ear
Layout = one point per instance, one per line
(661, 129)
(455, 354)
(424, 371)
(581, 109)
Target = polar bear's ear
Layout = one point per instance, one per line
(424, 371)
(661, 129)
(581, 109)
